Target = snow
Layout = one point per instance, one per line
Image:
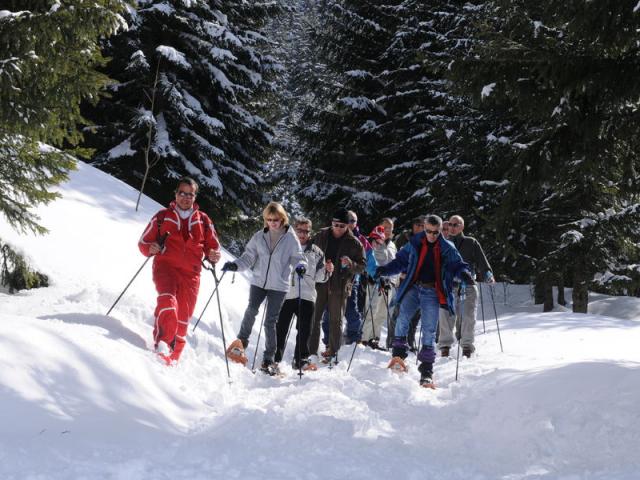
(122, 150)
(174, 56)
(83, 397)
(487, 90)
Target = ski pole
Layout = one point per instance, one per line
(224, 340)
(419, 346)
(215, 290)
(496, 313)
(355, 344)
(484, 330)
(128, 285)
(264, 314)
(463, 295)
(298, 347)
(161, 243)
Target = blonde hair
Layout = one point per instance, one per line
(274, 208)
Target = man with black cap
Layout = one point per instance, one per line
(345, 258)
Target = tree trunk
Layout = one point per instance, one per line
(147, 163)
(538, 290)
(561, 300)
(580, 292)
(548, 296)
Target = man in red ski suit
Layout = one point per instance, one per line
(178, 236)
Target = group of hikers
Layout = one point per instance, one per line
(426, 276)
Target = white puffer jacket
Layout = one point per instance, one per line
(315, 274)
(272, 270)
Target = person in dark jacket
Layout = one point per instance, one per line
(345, 258)
(472, 253)
(431, 263)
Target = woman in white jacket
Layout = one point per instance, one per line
(271, 254)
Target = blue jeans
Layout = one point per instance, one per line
(352, 313)
(425, 300)
(275, 299)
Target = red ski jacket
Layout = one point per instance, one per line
(186, 240)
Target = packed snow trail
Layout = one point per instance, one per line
(83, 396)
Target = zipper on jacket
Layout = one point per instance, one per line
(266, 275)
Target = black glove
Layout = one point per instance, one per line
(467, 278)
(385, 283)
(301, 270)
(230, 267)
(377, 275)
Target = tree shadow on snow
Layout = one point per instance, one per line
(114, 326)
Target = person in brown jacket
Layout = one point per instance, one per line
(345, 258)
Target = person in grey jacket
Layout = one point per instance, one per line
(472, 253)
(271, 254)
(301, 299)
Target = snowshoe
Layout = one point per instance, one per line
(235, 352)
(307, 366)
(397, 365)
(426, 381)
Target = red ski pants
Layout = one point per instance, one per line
(177, 295)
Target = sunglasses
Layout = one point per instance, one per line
(338, 225)
(273, 220)
(184, 194)
(302, 231)
(432, 232)
(455, 224)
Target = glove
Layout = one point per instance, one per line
(230, 267)
(301, 270)
(385, 283)
(377, 275)
(467, 278)
(488, 276)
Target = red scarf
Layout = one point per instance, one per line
(424, 249)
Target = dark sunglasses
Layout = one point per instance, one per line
(186, 194)
(455, 224)
(338, 225)
(432, 232)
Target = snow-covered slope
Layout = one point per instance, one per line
(81, 395)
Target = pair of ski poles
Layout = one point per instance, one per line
(215, 292)
(369, 311)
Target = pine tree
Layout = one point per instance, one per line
(340, 144)
(192, 82)
(557, 78)
(48, 59)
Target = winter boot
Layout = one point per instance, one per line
(397, 365)
(270, 368)
(426, 375)
(444, 351)
(163, 351)
(467, 350)
(306, 365)
(236, 353)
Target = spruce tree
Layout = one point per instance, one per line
(557, 78)
(48, 59)
(192, 79)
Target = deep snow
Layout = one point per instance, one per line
(82, 396)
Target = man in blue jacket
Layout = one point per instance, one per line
(431, 264)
